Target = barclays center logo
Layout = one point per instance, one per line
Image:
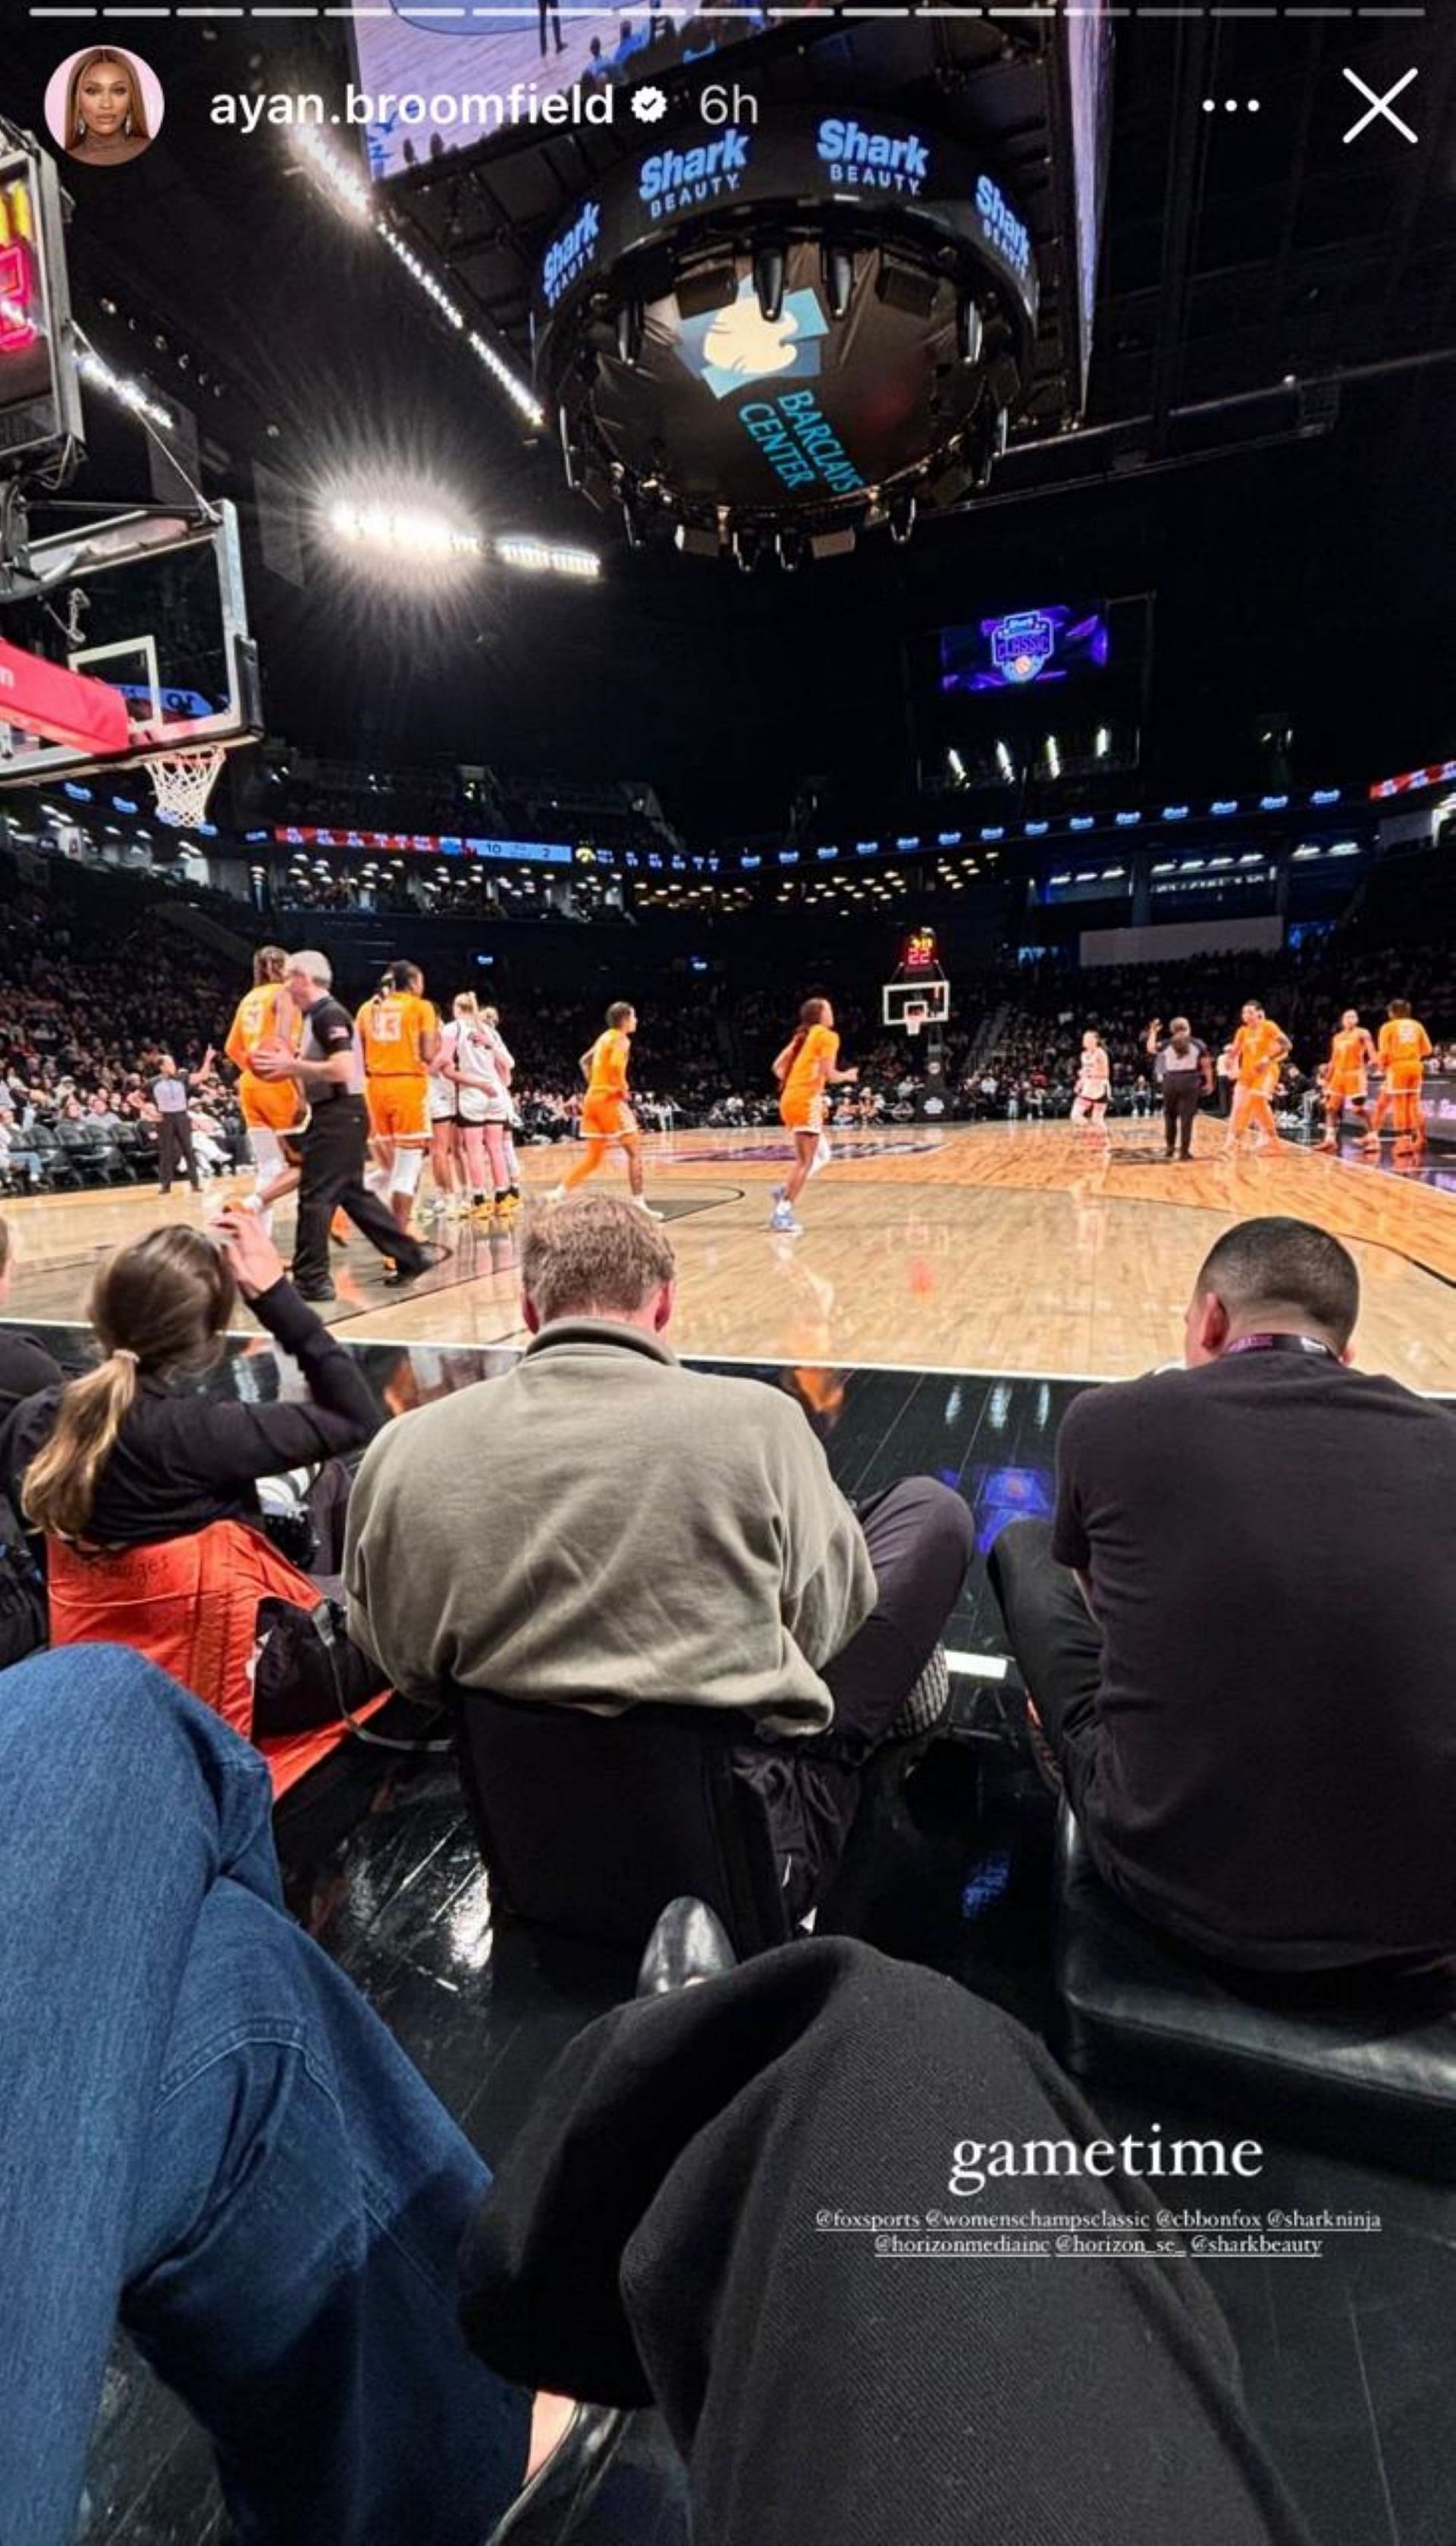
(729, 349)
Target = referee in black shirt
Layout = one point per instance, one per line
(329, 1070)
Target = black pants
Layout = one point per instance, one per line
(1180, 1103)
(694, 2213)
(544, 11)
(921, 1535)
(1057, 1645)
(174, 1151)
(333, 1154)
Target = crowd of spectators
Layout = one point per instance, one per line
(85, 1021)
(93, 994)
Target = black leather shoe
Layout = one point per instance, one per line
(560, 2491)
(689, 1943)
(414, 1265)
(315, 1293)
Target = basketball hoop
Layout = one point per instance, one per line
(182, 780)
(914, 1019)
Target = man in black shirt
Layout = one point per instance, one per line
(1238, 1635)
(329, 1072)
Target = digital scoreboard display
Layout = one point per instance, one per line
(39, 400)
(1023, 647)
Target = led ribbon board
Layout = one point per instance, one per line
(848, 384)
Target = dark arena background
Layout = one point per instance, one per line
(944, 513)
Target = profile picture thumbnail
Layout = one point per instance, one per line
(104, 106)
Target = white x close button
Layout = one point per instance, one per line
(1380, 107)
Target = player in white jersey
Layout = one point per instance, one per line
(476, 1060)
(1093, 1082)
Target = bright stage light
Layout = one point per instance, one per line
(400, 531)
(543, 556)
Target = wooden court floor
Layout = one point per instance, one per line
(1016, 1249)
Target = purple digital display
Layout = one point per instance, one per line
(1023, 648)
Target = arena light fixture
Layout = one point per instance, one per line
(400, 531)
(344, 187)
(547, 557)
(123, 391)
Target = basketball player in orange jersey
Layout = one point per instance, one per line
(607, 1119)
(805, 1069)
(273, 1109)
(400, 1035)
(1351, 1055)
(1258, 1048)
(1402, 1046)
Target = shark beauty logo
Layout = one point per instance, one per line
(727, 349)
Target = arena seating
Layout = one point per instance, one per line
(1362, 2071)
(589, 1824)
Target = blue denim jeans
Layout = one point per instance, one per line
(209, 2135)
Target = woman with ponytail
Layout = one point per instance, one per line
(132, 1454)
(805, 1068)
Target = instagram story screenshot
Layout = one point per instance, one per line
(727, 1051)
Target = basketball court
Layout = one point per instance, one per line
(1019, 1250)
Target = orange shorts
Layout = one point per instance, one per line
(271, 1104)
(1405, 1079)
(607, 1118)
(802, 1113)
(400, 1109)
(1346, 1090)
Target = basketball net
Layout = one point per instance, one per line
(183, 781)
(914, 1019)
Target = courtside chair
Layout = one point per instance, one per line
(589, 1824)
(1360, 2068)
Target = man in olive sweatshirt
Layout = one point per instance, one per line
(602, 1526)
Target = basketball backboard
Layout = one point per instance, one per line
(150, 604)
(930, 991)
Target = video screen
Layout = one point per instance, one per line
(435, 90)
(1024, 648)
